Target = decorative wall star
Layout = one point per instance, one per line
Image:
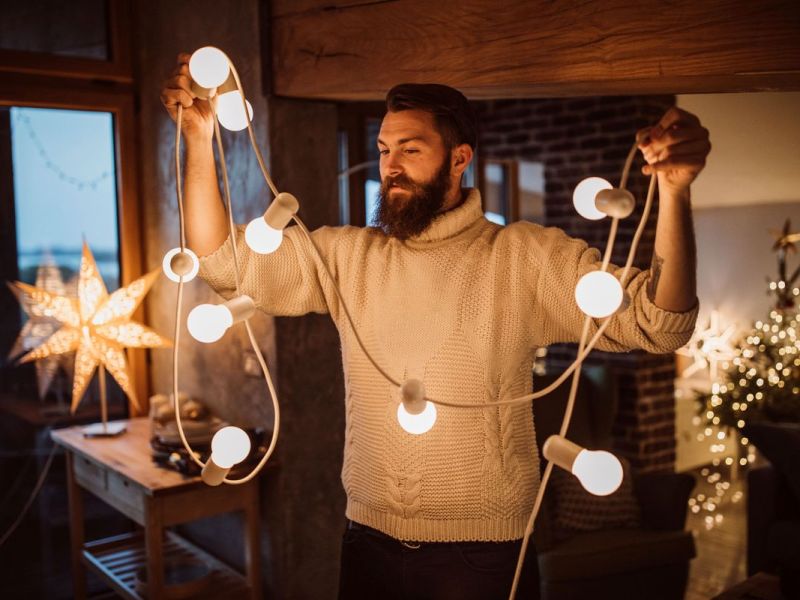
(95, 325)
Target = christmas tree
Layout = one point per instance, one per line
(762, 380)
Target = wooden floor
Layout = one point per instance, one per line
(720, 537)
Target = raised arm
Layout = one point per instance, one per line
(205, 219)
(676, 149)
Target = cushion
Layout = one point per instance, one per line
(575, 510)
(780, 444)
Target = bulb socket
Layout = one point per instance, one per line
(204, 93)
(181, 264)
(212, 474)
(228, 86)
(281, 211)
(615, 202)
(413, 394)
(561, 451)
(241, 308)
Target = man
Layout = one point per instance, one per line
(442, 295)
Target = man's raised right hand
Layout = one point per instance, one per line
(197, 122)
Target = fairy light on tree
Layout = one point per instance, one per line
(762, 381)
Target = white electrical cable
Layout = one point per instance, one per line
(253, 343)
(29, 501)
(583, 350)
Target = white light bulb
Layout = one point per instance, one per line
(262, 238)
(229, 446)
(230, 112)
(209, 67)
(417, 424)
(583, 197)
(177, 263)
(208, 322)
(598, 294)
(600, 472)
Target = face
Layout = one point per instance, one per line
(416, 174)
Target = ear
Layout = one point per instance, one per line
(460, 159)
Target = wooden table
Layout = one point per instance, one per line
(120, 471)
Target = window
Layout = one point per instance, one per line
(67, 166)
(512, 190)
(61, 196)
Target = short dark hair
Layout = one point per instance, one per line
(455, 120)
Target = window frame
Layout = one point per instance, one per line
(81, 86)
(118, 68)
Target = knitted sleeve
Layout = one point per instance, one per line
(284, 283)
(642, 325)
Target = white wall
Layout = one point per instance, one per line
(750, 185)
(755, 156)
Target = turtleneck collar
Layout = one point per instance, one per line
(454, 221)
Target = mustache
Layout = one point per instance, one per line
(402, 181)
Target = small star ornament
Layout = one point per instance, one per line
(95, 325)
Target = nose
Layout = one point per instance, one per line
(390, 165)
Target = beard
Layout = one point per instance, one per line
(410, 215)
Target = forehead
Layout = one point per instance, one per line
(408, 124)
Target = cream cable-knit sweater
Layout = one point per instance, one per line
(462, 307)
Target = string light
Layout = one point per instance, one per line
(599, 471)
(50, 164)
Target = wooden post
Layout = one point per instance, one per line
(252, 533)
(76, 529)
(101, 373)
(154, 551)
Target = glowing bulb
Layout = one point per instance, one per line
(177, 264)
(209, 67)
(230, 112)
(584, 195)
(598, 294)
(600, 472)
(229, 446)
(262, 238)
(415, 414)
(208, 322)
(417, 424)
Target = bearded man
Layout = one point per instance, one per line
(441, 294)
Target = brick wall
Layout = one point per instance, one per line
(577, 138)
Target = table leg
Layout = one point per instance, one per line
(252, 532)
(76, 532)
(154, 551)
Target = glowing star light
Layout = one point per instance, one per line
(37, 329)
(708, 346)
(95, 325)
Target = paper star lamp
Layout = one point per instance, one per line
(708, 346)
(37, 329)
(95, 325)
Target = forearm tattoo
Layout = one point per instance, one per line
(655, 275)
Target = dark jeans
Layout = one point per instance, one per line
(376, 566)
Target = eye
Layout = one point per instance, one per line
(410, 150)
(383, 152)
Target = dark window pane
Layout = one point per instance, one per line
(77, 28)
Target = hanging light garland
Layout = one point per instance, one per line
(599, 294)
(49, 163)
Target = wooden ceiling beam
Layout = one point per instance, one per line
(356, 50)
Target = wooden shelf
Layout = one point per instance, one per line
(117, 559)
